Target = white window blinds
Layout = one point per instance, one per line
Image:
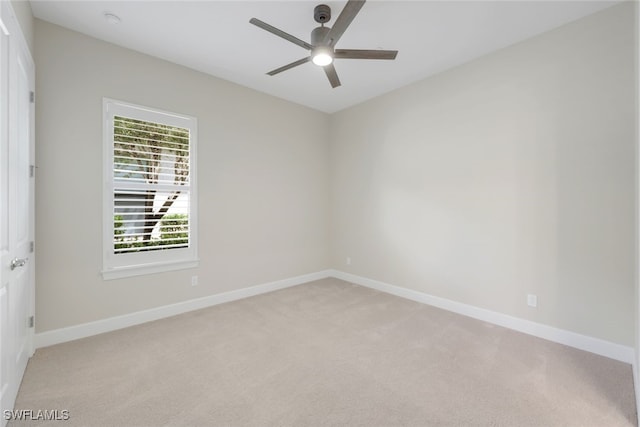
(151, 191)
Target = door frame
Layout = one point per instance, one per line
(18, 52)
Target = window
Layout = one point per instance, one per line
(150, 221)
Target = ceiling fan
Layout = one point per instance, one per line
(324, 39)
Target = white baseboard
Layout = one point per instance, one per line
(84, 330)
(594, 345)
(572, 339)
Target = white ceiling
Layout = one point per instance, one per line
(215, 37)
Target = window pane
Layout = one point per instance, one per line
(151, 180)
(150, 220)
(150, 152)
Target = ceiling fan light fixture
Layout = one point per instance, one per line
(324, 39)
(322, 55)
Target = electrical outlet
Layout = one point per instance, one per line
(194, 280)
(532, 300)
(348, 261)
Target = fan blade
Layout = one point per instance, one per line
(289, 66)
(330, 71)
(280, 33)
(365, 54)
(349, 12)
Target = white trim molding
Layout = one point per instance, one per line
(561, 336)
(58, 336)
(583, 342)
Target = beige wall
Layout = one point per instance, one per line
(509, 175)
(263, 185)
(22, 8)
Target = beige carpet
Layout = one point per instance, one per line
(326, 353)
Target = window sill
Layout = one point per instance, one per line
(140, 270)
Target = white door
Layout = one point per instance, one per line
(16, 206)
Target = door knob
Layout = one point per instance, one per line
(18, 262)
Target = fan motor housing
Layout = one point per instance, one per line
(322, 13)
(318, 34)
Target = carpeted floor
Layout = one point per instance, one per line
(326, 353)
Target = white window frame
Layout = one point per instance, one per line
(117, 266)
